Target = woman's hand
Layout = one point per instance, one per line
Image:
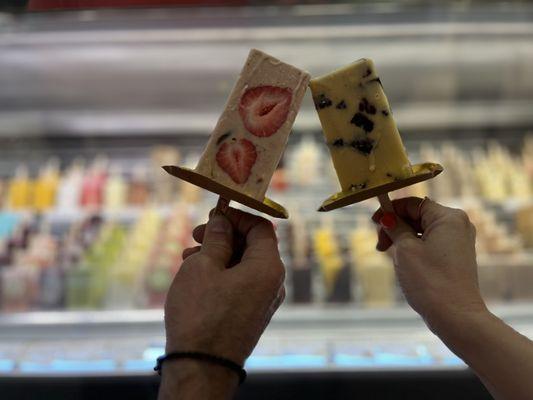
(434, 255)
(433, 249)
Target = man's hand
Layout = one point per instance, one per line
(222, 299)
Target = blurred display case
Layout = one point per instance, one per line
(92, 103)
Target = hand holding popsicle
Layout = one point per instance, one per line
(433, 249)
(221, 311)
(437, 271)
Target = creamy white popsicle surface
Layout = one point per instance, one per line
(252, 132)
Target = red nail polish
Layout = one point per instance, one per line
(388, 220)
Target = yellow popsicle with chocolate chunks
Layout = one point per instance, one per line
(364, 142)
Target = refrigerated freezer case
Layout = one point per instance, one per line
(74, 83)
(308, 352)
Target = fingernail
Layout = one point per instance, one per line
(219, 224)
(388, 220)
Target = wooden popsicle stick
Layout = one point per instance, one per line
(222, 206)
(386, 205)
(385, 202)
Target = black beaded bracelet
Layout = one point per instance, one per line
(224, 362)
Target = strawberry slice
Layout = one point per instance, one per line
(264, 109)
(236, 158)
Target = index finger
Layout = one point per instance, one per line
(417, 212)
(405, 208)
(242, 223)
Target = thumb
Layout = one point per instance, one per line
(218, 240)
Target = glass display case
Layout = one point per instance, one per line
(94, 102)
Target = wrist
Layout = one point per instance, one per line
(218, 347)
(458, 326)
(185, 368)
(198, 379)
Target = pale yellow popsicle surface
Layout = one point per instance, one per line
(357, 121)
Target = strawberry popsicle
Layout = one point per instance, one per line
(361, 134)
(248, 141)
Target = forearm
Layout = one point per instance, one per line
(190, 379)
(500, 356)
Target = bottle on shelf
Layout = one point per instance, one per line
(373, 270)
(77, 260)
(20, 189)
(20, 276)
(332, 261)
(138, 189)
(101, 258)
(125, 278)
(115, 190)
(300, 265)
(45, 187)
(92, 191)
(16, 285)
(43, 251)
(164, 188)
(70, 187)
(165, 258)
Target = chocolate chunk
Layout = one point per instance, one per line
(385, 113)
(364, 146)
(341, 105)
(389, 174)
(322, 102)
(259, 180)
(364, 105)
(338, 142)
(367, 73)
(363, 122)
(358, 186)
(223, 137)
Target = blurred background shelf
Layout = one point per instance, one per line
(467, 68)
